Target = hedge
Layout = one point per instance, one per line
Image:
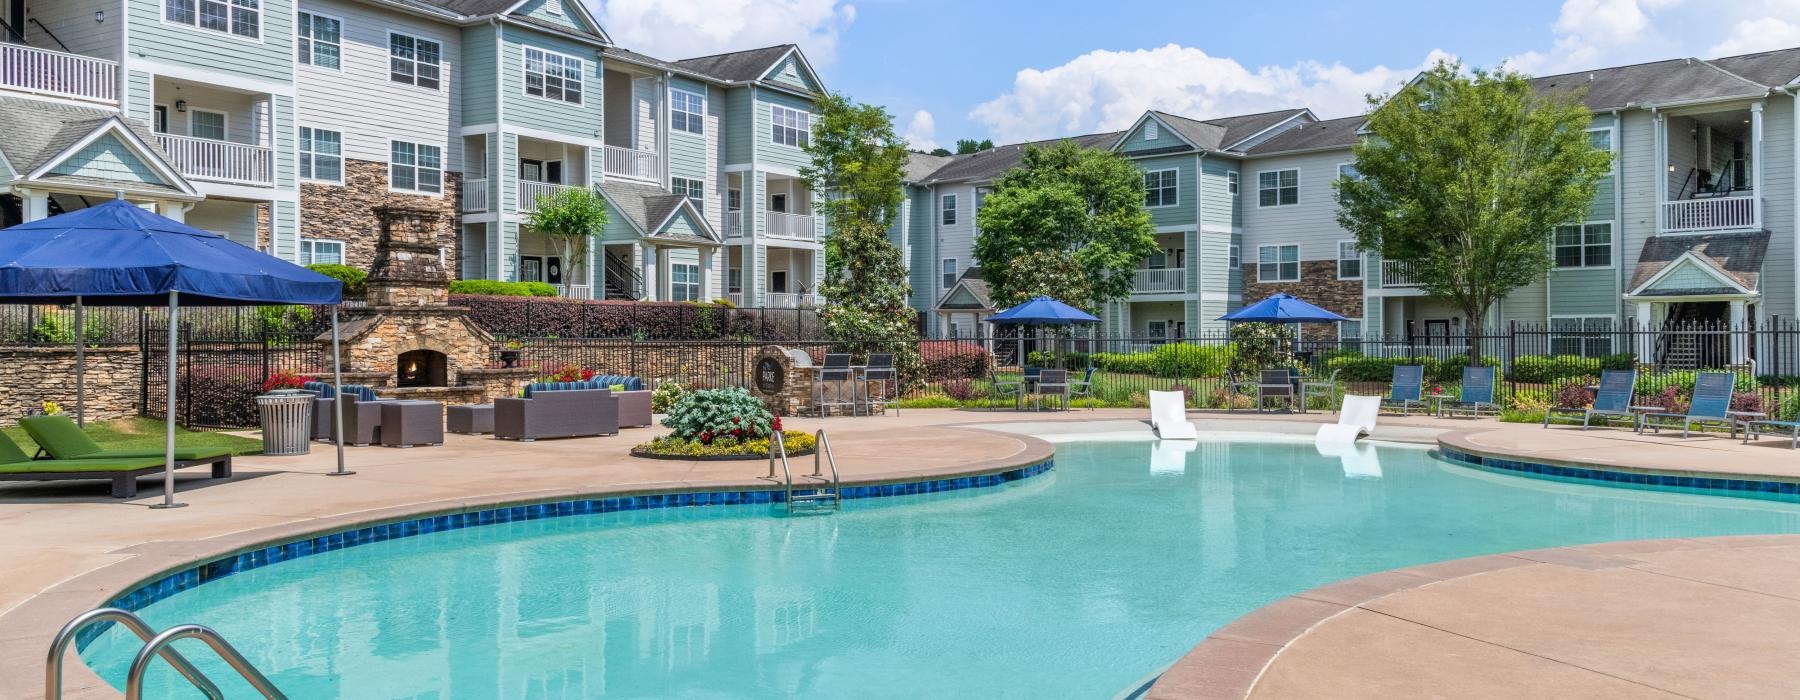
(577, 318)
(950, 359)
(498, 288)
(1549, 368)
(356, 282)
(1171, 360)
(1358, 368)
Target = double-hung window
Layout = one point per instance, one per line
(1350, 332)
(1231, 182)
(684, 282)
(949, 209)
(1235, 260)
(321, 155)
(1349, 261)
(687, 111)
(694, 190)
(1348, 170)
(1277, 188)
(792, 127)
(1583, 245)
(321, 40)
(416, 167)
(1587, 336)
(552, 76)
(1160, 188)
(414, 61)
(203, 124)
(314, 251)
(949, 270)
(1278, 263)
(237, 17)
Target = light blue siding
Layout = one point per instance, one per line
(767, 151)
(565, 15)
(684, 225)
(582, 120)
(738, 137)
(109, 158)
(1218, 208)
(1165, 139)
(284, 230)
(139, 95)
(1182, 212)
(270, 58)
(285, 133)
(1583, 292)
(789, 72)
(478, 95)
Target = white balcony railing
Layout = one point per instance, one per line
(779, 225)
(56, 73)
(734, 223)
(575, 291)
(626, 162)
(1167, 279)
(1712, 214)
(474, 194)
(529, 192)
(1397, 274)
(780, 300)
(222, 161)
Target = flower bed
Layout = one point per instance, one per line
(798, 443)
(721, 424)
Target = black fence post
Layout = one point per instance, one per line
(1512, 332)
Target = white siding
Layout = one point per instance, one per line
(72, 21)
(1312, 222)
(359, 100)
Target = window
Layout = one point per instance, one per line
(1235, 261)
(413, 61)
(1350, 332)
(1277, 263)
(206, 125)
(949, 270)
(1601, 139)
(1159, 188)
(684, 282)
(552, 76)
(161, 124)
(1584, 245)
(1348, 170)
(317, 252)
(778, 203)
(1278, 188)
(320, 40)
(416, 167)
(734, 200)
(792, 127)
(1349, 262)
(1156, 329)
(734, 280)
(239, 17)
(694, 190)
(1151, 133)
(687, 111)
(321, 155)
(1587, 336)
(1231, 182)
(949, 207)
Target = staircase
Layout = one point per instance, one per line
(623, 282)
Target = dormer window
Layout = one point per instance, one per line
(1150, 131)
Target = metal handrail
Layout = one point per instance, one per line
(134, 680)
(779, 445)
(60, 644)
(823, 447)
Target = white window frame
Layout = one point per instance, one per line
(1278, 262)
(676, 285)
(1277, 188)
(1357, 336)
(1612, 239)
(544, 59)
(802, 129)
(230, 5)
(1235, 258)
(1151, 131)
(695, 121)
(1174, 187)
(305, 56)
(1354, 173)
(416, 146)
(947, 210)
(309, 250)
(1564, 333)
(683, 186)
(224, 123)
(439, 65)
(1232, 182)
(734, 199)
(1361, 262)
(1151, 329)
(1612, 142)
(947, 270)
(309, 160)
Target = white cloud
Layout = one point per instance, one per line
(1760, 34)
(921, 132)
(675, 30)
(1103, 90)
(1598, 33)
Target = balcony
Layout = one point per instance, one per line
(58, 74)
(529, 192)
(1711, 214)
(626, 162)
(734, 224)
(1160, 280)
(1397, 274)
(575, 291)
(781, 300)
(474, 194)
(795, 226)
(220, 161)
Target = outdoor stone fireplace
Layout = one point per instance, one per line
(408, 341)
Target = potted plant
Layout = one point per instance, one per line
(509, 352)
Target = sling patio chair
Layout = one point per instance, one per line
(1711, 404)
(1477, 394)
(877, 377)
(1277, 384)
(837, 373)
(1327, 388)
(1409, 384)
(1613, 400)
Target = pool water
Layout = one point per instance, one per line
(1075, 583)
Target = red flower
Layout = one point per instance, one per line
(706, 437)
(735, 420)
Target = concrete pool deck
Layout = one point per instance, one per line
(72, 547)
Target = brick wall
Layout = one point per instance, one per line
(346, 212)
(1319, 285)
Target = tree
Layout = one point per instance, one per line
(859, 164)
(967, 146)
(1083, 206)
(1463, 178)
(940, 152)
(571, 217)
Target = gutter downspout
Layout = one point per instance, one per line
(1794, 105)
(497, 174)
(1618, 210)
(1193, 256)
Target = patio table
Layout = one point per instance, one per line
(409, 423)
(1640, 412)
(1743, 419)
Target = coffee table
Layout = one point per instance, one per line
(410, 423)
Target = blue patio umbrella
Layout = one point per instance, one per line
(119, 254)
(1042, 311)
(1282, 308)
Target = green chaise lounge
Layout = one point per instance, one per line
(60, 438)
(15, 465)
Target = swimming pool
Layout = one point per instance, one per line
(1074, 583)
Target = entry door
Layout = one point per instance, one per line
(778, 282)
(531, 170)
(553, 270)
(531, 268)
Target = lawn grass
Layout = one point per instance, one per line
(144, 434)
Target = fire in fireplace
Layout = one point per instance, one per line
(422, 368)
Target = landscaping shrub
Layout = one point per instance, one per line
(1540, 369)
(356, 282)
(665, 396)
(537, 317)
(498, 288)
(1574, 395)
(1357, 368)
(794, 440)
(215, 395)
(1170, 360)
(1187, 393)
(951, 359)
(1748, 401)
(710, 414)
(1260, 346)
(963, 390)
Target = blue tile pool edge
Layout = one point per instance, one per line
(159, 588)
(1787, 491)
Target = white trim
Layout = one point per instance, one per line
(1234, 183)
(1695, 259)
(1304, 112)
(443, 171)
(768, 169)
(340, 42)
(551, 136)
(949, 203)
(701, 114)
(229, 80)
(1177, 188)
(525, 85)
(301, 154)
(1612, 143)
(1612, 242)
(688, 204)
(1150, 114)
(1299, 263)
(1350, 164)
(300, 249)
(1215, 296)
(1337, 260)
(801, 58)
(389, 78)
(478, 129)
(1278, 188)
(1175, 228)
(224, 123)
(162, 15)
(806, 132)
(145, 153)
(1221, 228)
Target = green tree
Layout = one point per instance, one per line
(858, 166)
(572, 217)
(1086, 206)
(1464, 177)
(967, 146)
(941, 152)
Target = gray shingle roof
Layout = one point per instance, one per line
(971, 280)
(647, 206)
(1330, 133)
(472, 7)
(36, 131)
(737, 65)
(989, 164)
(920, 166)
(1656, 83)
(1772, 68)
(635, 57)
(1214, 134)
(1738, 256)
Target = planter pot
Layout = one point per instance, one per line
(509, 358)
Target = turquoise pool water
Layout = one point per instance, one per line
(1070, 584)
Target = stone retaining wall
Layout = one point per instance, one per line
(29, 376)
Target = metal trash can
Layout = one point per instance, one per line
(286, 422)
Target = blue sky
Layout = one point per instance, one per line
(1025, 70)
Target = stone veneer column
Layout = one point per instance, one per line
(346, 212)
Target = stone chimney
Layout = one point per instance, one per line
(409, 263)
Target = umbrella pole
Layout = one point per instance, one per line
(337, 404)
(80, 366)
(169, 417)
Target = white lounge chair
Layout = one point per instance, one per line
(1168, 416)
(1356, 419)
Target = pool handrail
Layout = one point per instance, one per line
(59, 646)
(134, 679)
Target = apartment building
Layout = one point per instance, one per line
(1696, 223)
(282, 123)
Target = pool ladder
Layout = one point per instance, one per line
(827, 495)
(155, 644)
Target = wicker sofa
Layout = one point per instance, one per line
(557, 414)
(324, 396)
(634, 401)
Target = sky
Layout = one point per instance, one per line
(1017, 71)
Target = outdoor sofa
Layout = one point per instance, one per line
(634, 401)
(74, 455)
(557, 414)
(324, 395)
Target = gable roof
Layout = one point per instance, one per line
(972, 285)
(1772, 68)
(738, 66)
(989, 164)
(920, 166)
(1330, 133)
(1737, 257)
(477, 9)
(39, 134)
(650, 209)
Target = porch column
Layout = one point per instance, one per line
(1661, 149)
(1756, 166)
(707, 258)
(1645, 339)
(652, 290)
(1738, 354)
(173, 210)
(37, 204)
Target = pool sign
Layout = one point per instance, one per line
(770, 375)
